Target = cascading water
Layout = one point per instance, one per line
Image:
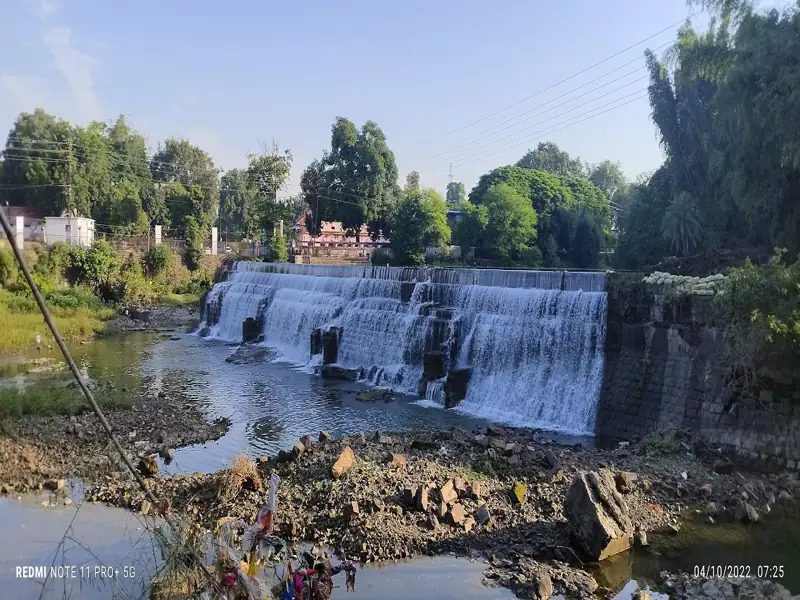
(533, 340)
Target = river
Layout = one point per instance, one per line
(269, 406)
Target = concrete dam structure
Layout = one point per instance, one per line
(519, 347)
(580, 353)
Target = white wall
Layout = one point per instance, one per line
(75, 231)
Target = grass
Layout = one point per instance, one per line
(51, 397)
(242, 473)
(176, 300)
(77, 315)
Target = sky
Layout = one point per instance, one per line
(461, 83)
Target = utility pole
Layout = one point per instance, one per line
(68, 189)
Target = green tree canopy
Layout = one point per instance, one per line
(549, 157)
(419, 221)
(456, 195)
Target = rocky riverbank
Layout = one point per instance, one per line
(493, 492)
(35, 451)
(156, 319)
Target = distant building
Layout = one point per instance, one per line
(333, 244)
(75, 231)
(32, 223)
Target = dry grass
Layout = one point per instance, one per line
(243, 474)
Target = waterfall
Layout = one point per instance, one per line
(533, 340)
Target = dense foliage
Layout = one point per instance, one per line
(418, 221)
(726, 105)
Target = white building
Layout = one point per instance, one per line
(75, 231)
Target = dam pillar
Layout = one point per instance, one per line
(316, 342)
(330, 345)
(250, 330)
(455, 388)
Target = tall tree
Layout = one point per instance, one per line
(268, 173)
(456, 195)
(549, 157)
(419, 222)
(237, 205)
(360, 178)
(511, 227)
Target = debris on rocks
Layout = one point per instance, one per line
(519, 492)
(148, 466)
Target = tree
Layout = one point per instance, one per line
(237, 205)
(268, 173)
(680, 226)
(549, 157)
(470, 231)
(178, 161)
(511, 228)
(608, 176)
(277, 247)
(456, 195)
(419, 222)
(587, 244)
(545, 191)
(412, 180)
(193, 252)
(313, 184)
(360, 179)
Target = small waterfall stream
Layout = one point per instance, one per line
(533, 340)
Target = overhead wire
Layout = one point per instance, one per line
(570, 78)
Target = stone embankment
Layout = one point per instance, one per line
(533, 510)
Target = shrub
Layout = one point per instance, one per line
(380, 257)
(277, 251)
(8, 267)
(158, 258)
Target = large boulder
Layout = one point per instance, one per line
(597, 515)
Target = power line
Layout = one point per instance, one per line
(571, 77)
(470, 137)
(528, 140)
(549, 119)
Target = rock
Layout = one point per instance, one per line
(482, 515)
(351, 510)
(745, 512)
(555, 475)
(469, 524)
(398, 461)
(551, 458)
(723, 466)
(706, 490)
(334, 372)
(441, 510)
(433, 522)
(642, 595)
(148, 466)
(373, 395)
(712, 509)
(518, 493)
(161, 437)
(498, 444)
(456, 514)
(481, 440)
(597, 515)
(460, 486)
(344, 462)
(543, 586)
(410, 496)
(625, 481)
(784, 496)
(167, 454)
(67, 501)
(382, 439)
(298, 448)
(421, 500)
(448, 493)
(146, 507)
(55, 485)
(513, 460)
(770, 498)
(455, 387)
(475, 490)
(640, 537)
(509, 449)
(378, 504)
(308, 442)
(325, 437)
(283, 456)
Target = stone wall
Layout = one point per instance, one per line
(665, 369)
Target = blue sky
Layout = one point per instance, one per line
(231, 76)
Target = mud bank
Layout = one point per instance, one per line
(506, 501)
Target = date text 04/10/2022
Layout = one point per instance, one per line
(75, 572)
(739, 571)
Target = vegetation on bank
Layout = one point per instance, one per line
(83, 286)
(62, 397)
